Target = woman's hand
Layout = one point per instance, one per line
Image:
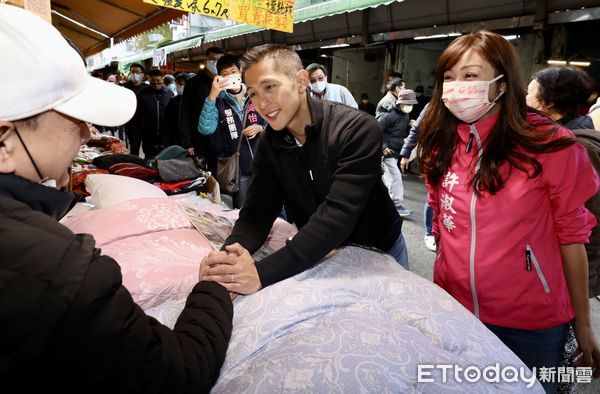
(253, 130)
(588, 352)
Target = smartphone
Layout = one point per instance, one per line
(233, 83)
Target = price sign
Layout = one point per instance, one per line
(272, 14)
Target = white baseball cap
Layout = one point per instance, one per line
(40, 71)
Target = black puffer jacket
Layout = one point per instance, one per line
(334, 191)
(394, 125)
(69, 325)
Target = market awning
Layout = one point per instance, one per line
(116, 19)
(170, 48)
(304, 14)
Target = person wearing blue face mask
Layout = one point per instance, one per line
(321, 89)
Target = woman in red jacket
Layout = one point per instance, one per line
(508, 188)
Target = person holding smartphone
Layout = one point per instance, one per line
(322, 161)
(227, 115)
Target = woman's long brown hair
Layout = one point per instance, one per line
(438, 135)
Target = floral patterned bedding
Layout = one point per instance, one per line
(355, 323)
(155, 244)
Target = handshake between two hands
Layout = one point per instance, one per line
(233, 268)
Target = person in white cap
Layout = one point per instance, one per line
(68, 323)
(395, 127)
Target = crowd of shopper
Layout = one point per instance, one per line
(512, 208)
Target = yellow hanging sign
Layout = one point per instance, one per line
(271, 14)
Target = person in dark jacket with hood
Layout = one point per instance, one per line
(320, 159)
(395, 126)
(151, 110)
(170, 132)
(68, 324)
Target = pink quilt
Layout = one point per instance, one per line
(153, 241)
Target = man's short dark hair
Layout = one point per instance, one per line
(215, 50)
(181, 77)
(420, 89)
(395, 75)
(395, 83)
(132, 65)
(316, 66)
(285, 59)
(227, 61)
(155, 73)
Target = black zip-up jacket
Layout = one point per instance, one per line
(196, 90)
(395, 128)
(69, 325)
(150, 114)
(336, 196)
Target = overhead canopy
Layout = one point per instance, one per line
(117, 19)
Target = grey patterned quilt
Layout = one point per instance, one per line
(359, 323)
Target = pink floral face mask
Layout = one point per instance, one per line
(469, 100)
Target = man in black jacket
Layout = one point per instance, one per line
(150, 115)
(68, 324)
(196, 90)
(170, 133)
(135, 84)
(320, 159)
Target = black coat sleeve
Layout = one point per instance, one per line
(194, 94)
(385, 121)
(186, 111)
(357, 171)
(106, 342)
(263, 203)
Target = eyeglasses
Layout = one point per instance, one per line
(320, 79)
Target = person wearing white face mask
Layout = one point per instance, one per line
(170, 132)
(395, 126)
(169, 83)
(321, 89)
(231, 122)
(508, 188)
(132, 129)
